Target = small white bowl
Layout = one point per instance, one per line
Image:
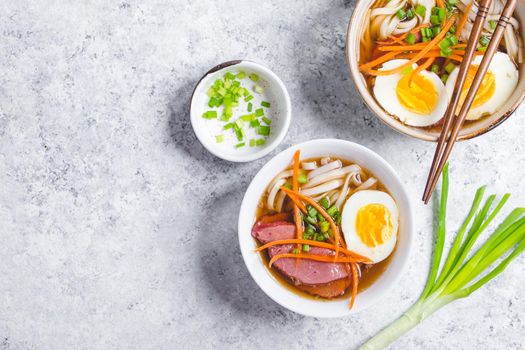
(274, 91)
(309, 306)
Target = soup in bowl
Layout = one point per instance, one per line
(404, 58)
(325, 228)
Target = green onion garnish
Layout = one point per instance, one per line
(434, 19)
(484, 41)
(228, 126)
(219, 138)
(229, 76)
(240, 144)
(444, 78)
(248, 117)
(302, 179)
(492, 24)
(261, 142)
(296, 251)
(410, 13)
(248, 98)
(325, 202)
(241, 75)
(401, 14)
(258, 89)
(265, 104)
(259, 112)
(421, 10)
(306, 247)
(209, 115)
(266, 120)
(410, 39)
(263, 130)
(250, 106)
(252, 142)
(254, 77)
(450, 67)
(453, 40)
(434, 68)
(255, 123)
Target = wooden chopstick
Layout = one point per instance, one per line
(448, 137)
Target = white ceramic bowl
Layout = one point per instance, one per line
(276, 94)
(273, 288)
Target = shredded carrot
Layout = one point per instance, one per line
(355, 281)
(320, 210)
(403, 36)
(357, 257)
(420, 68)
(415, 47)
(322, 258)
(379, 60)
(439, 3)
(295, 186)
(463, 20)
(274, 218)
(419, 55)
(298, 203)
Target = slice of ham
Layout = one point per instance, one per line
(324, 279)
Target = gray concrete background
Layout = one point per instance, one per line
(118, 230)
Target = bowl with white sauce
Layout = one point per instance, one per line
(240, 111)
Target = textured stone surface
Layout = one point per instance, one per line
(119, 230)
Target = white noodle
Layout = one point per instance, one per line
(282, 175)
(334, 197)
(327, 186)
(273, 193)
(344, 191)
(325, 160)
(331, 175)
(279, 201)
(309, 165)
(336, 164)
(367, 184)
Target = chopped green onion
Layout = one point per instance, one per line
(209, 115)
(332, 210)
(450, 67)
(258, 89)
(447, 52)
(254, 77)
(410, 13)
(444, 44)
(248, 117)
(444, 78)
(228, 126)
(441, 14)
(260, 142)
(302, 179)
(266, 120)
(250, 106)
(255, 123)
(421, 10)
(401, 14)
(239, 122)
(229, 76)
(452, 30)
(452, 2)
(410, 39)
(296, 251)
(324, 226)
(239, 145)
(265, 104)
(434, 19)
(484, 41)
(492, 24)
(434, 31)
(453, 40)
(259, 112)
(241, 75)
(248, 98)
(325, 202)
(252, 142)
(434, 68)
(219, 138)
(306, 247)
(263, 130)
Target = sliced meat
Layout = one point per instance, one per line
(324, 279)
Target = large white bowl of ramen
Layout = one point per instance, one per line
(404, 58)
(338, 229)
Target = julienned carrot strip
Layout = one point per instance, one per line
(420, 68)
(379, 60)
(463, 20)
(403, 36)
(320, 210)
(419, 55)
(298, 203)
(322, 258)
(355, 281)
(295, 186)
(439, 3)
(415, 47)
(357, 257)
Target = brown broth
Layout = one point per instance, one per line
(369, 273)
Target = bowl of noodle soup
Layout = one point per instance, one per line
(407, 27)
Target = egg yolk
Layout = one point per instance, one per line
(486, 89)
(419, 96)
(374, 224)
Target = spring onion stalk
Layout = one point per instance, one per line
(464, 271)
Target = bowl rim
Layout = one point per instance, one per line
(247, 243)
(280, 132)
(418, 133)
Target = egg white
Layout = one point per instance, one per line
(506, 75)
(385, 93)
(348, 221)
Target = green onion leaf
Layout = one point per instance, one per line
(302, 179)
(250, 106)
(254, 77)
(252, 142)
(421, 10)
(260, 142)
(266, 121)
(259, 112)
(410, 39)
(239, 145)
(248, 98)
(401, 14)
(263, 130)
(434, 68)
(492, 24)
(255, 123)
(209, 115)
(265, 104)
(450, 67)
(241, 75)
(258, 89)
(325, 202)
(219, 138)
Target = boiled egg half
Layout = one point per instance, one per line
(415, 99)
(497, 85)
(369, 221)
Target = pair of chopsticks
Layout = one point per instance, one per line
(452, 124)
